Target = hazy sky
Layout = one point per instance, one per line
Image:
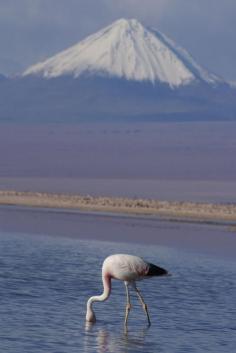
(31, 30)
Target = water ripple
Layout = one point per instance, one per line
(45, 283)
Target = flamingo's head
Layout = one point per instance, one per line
(90, 315)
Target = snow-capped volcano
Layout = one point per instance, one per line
(124, 71)
(126, 49)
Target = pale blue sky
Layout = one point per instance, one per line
(31, 30)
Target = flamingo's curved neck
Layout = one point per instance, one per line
(106, 279)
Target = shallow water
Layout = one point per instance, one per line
(46, 281)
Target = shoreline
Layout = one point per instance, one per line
(211, 238)
(177, 210)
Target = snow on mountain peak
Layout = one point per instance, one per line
(125, 49)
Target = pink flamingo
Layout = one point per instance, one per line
(127, 268)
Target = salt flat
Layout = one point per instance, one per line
(170, 161)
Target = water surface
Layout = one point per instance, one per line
(46, 281)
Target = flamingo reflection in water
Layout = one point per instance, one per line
(103, 340)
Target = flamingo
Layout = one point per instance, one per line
(129, 269)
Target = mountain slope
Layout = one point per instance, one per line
(123, 72)
(127, 50)
(65, 99)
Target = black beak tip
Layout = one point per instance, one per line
(157, 271)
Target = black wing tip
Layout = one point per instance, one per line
(156, 271)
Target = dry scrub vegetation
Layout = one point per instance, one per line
(201, 211)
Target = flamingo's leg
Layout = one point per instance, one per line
(145, 308)
(128, 305)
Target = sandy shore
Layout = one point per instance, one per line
(188, 210)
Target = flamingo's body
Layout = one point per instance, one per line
(127, 268)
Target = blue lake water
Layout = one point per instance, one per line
(45, 283)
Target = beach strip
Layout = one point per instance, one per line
(174, 209)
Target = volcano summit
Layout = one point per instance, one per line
(126, 50)
(123, 71)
